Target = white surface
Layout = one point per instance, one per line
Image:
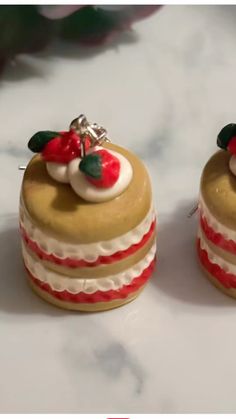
(166, 96)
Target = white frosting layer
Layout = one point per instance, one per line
(89, 286)
(214, 258)
(228, 233)
(89, 192)
(58, 171)
(89, 252)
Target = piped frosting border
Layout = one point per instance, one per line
(88, 252)
(59, 282)
(218, 227)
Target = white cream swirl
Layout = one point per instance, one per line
(88, 252)
(89, 192)
(70, 173)
(58, 171)
(75, 285)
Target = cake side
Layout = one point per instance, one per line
(87, 221)
(216, 242)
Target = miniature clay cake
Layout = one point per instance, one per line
(217, 205)
(87, 220)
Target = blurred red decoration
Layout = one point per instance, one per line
(27, 29)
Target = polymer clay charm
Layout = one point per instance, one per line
(217, 204)
(87, 219)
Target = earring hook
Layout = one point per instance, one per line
(83, 128)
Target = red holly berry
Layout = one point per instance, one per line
(64, 148)
(101, 168)
(232, 145)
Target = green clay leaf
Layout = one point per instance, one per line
(91, 166)
(225, 136)
(40, 139)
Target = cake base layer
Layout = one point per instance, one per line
(230, 292)
(92, 307)
(98, 301)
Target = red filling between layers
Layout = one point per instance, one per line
(228, 280)
(79, 263)
(98, 296)
(217, 238)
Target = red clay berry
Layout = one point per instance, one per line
(101, 168)
(64, 148)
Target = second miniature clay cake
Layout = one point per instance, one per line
(87, 220)
(217, 204)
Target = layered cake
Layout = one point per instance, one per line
(87, 219)
(217, 205)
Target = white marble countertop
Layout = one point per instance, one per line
(165, 93)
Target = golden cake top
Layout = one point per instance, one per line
(218, 189)
(69, 196)
(218, 182)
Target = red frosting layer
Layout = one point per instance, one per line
(98, 296)
(217, 238)
(79, 263)
(227, 279)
